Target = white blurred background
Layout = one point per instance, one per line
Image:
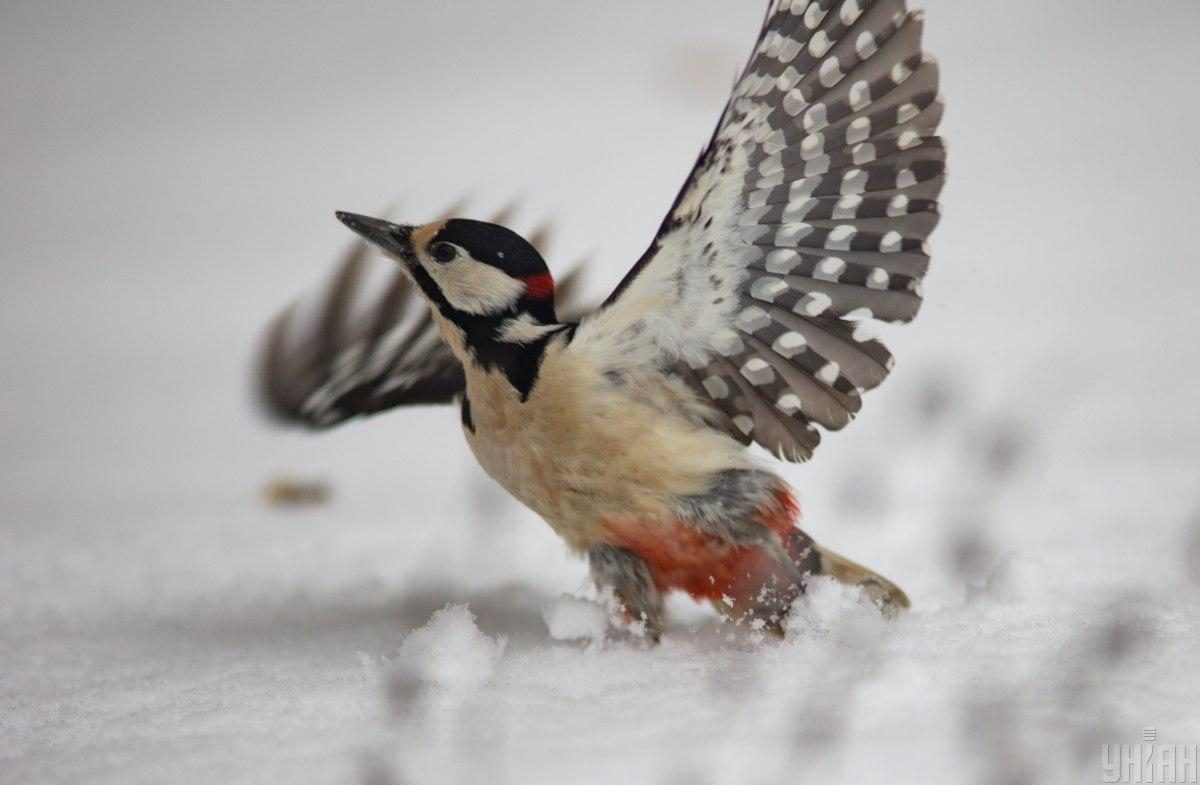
(1029, 473)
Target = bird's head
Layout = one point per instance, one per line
(466, 269)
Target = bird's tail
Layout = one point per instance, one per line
(888, 596)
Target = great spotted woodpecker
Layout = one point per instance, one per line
(747, 320)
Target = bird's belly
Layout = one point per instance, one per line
(579, 455)
(545, 477)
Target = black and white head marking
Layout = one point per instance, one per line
(485, 280)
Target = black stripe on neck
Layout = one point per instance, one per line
(519, 362)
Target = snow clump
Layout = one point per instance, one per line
(450, 651)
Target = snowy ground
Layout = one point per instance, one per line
(1029, 474)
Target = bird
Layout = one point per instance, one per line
(751, 318)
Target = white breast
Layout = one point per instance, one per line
(583, 449)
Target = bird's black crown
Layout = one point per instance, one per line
(491, 244)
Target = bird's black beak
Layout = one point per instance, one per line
(392, 238)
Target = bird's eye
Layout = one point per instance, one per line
(443, 252)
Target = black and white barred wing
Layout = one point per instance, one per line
(805, 218)
(362, 344)
(331, 357)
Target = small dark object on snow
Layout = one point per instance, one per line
(292, 492)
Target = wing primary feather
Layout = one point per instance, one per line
(805, 220)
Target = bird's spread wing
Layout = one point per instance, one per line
(365, 343)
(805, 218)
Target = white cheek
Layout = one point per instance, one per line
(474, 287)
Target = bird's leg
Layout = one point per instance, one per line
(632, 583)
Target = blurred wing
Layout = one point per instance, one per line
(324, 365)
(805, 216)
(366, 344)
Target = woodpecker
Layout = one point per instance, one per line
(749, 319)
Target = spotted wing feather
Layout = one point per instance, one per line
(805, 219)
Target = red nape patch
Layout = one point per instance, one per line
(682, 557)
(538, 286)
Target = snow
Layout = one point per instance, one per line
(575, 618)
(1028, 475)
(830, 606)
(449, 652)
